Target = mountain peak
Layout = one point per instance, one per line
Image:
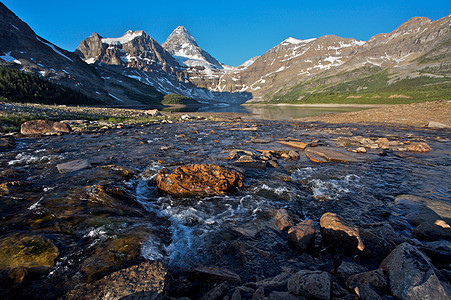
(127, 37)
(183, 46)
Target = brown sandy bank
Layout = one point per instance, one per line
(414, 114)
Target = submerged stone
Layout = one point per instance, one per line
(323, 155)
(201, 179)
(74, 165)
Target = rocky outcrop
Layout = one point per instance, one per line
(44, 127)
(199, 180)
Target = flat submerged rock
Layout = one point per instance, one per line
(323, 155)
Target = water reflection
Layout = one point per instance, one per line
(267, 112)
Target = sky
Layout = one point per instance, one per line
(231, 31)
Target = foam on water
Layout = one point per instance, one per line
(29, 158)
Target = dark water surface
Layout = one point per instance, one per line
(234, 231)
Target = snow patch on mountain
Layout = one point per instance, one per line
(127, 37)
(294, 41)
(8, 58)
(54, 49)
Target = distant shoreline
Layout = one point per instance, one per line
(325, 105)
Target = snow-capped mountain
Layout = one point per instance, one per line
(21, 48)
(138, 56)
(183, 47)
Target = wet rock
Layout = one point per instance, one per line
(214, 275)
(323, 155)
(27, 251)
(12, 187)
(346, 269)
(115, 196)
(125, 172)
(143, 281)
(218, 292)
(74, 165)
(298, 145)
(439, 252)
(431, 232)
(339, 233)
(202, 179)
(294, 155)
(114, 254)
(379, 239)
(433, 124)
(411, 274)
(302, 235)
(259, 294)
(383, 143)
(420, 147)
(275, 295)
(361, 150)
(246, 161)
(7, 143)
(312, 284)
(416, 211)
(366, 291)
(282, 219)
(260, 141)
(377, 278)
(43, 127)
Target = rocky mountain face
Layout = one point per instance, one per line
(22, 49)
(138, 56)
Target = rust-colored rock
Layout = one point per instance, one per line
(200, 179)
(337, 232)
(43, 127)
(282, 219)
(418, 147)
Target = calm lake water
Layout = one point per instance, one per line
(268, 112)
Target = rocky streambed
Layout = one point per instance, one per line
(314, 211)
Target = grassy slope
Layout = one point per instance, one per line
(374, 88)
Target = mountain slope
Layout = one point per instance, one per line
(22, 49)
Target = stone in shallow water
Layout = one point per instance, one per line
(301, 235)
(298, 145)
(73, 165)
(323, 154)
(200, 179)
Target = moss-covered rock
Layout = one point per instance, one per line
(27, 251)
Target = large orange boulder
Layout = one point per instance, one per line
(200, 179)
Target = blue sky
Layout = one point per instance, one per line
(231, 31)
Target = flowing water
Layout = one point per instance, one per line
(234, 231)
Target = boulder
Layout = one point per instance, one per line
(27, 251)
(420, 147)
(247, 161)
(431, 232)
(311, 284)
(383, 143)
(412, 275)
(214, 275)
(339, 233)
(346, 269)
(282, 219)
(144, 281)
(44, 127)
(377, 278)
(201, 179)
(302, 235)
(433, 124)
(323, 155)
(74, 165)
(439, 252)
(152, 112)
